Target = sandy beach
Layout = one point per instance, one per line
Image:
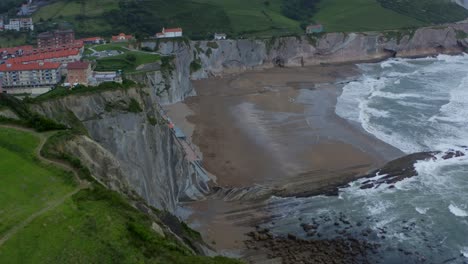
(275, 128)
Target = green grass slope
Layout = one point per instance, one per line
(127, 62)
(429, 11)
(255, 16)
(199, 18)
(360, 15)
(26, 185)
(94, 225)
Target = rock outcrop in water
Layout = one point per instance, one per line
(403, 168)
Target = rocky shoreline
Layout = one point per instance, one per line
(292, 250)
(349, 242)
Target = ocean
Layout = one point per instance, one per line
(414, 105)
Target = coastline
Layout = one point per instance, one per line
(284, 119)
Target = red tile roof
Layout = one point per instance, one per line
(44, 56)
(13, 50)
(127, 37)
(90, 39)
(315, 26)
(173, 30)
(78, 65)
(29, 67)
(76, 45)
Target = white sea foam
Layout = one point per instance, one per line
(464, 252)
(457, 211)
(421, 210)
(414, 105)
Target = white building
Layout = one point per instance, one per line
(170, 33)
(20, 24)
(33, 78)
(219, 36)
(102, 77)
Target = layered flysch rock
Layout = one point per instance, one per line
(130, 151)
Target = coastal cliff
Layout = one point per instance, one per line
(133, 150)
(128, 145)
(202, 59)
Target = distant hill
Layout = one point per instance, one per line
(201, 18)
(198, 18)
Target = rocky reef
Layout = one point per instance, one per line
(403, 168)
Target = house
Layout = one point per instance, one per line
(219, 36)
(56, 38)
(20, 24)
(122, 38)
(93, 40)
(31, 78)
(78, 72)
(102, 77)
(311, 29)
(170, 33)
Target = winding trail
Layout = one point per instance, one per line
(43, 137)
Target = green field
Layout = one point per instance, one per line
(199, 18)
(124, 62)
(253, 16)
(241, 18)
(85, 15)
(26, 185)
(369, 15)
(111, 46)
(360, 15)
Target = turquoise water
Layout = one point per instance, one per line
(415, 105)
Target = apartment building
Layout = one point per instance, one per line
(33, 75)
(56, 38)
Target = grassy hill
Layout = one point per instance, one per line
(47, 217)
(201, 18)
(361, 15)
(27, 185)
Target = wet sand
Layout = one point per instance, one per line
(275, 128)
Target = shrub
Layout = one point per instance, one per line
(212, 45)
(195, 66)
(134, 106)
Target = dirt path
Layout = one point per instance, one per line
(43, 137)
